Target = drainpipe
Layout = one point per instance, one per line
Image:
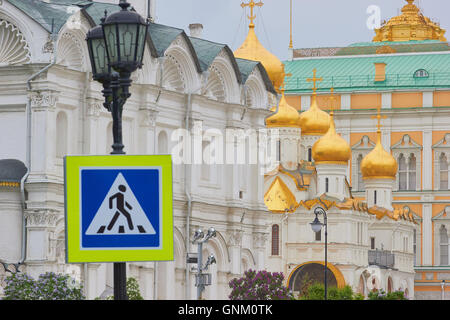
(187, 178)
(28, 146)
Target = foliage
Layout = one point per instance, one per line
(49, 286)
(261, 285)
(381, 295)
(317, 292)
(307, 282)
(133, 291)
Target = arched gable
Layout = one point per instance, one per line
(180, 71)
(15, 48)
(256, 95)
(223, 81)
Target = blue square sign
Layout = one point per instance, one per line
(121, 208)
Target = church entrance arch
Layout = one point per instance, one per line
(313, 272)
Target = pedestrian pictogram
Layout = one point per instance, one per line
(120, 213)
(118, 208)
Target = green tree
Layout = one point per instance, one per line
(133, 291)
(317, 292)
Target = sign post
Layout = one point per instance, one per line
(118, 209)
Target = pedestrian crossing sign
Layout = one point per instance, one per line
(118, 208)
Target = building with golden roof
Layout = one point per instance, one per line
(399, 171)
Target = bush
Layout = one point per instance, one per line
(317, 292)
(133, 291)
(49, 286)
(260, 285)
(381, 295)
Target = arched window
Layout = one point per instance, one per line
(309, 154)
(61, 135)
(162, 143)
(412, 173)
(421, 73)
(390, 285)
(326, 184)
(375, 197)
(443, 172)
(278, 150)
(402, 173)
(443, 246)
(360, 177)
(275, 240)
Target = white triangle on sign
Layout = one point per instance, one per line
(120, 213)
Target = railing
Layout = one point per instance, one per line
(381, 258)
(353, 81)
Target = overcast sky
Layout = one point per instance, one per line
(317, 23)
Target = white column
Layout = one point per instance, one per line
(346, 100)
(427, 153)
(427, 99)
(427, 235)
(386, 100)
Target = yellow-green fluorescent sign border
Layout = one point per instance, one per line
(74, 251)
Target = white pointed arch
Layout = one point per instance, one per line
(179, 69)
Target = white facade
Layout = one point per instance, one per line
(50, 107)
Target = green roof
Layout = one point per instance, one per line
(52, 17)
(358, 72)
(367, 48)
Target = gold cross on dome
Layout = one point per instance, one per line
(332, 99)
(285, 75)
(252, 5)
(379, 117)
(314, 80)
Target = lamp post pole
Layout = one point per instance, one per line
(200, 238)
(316, 226)
(113, 58)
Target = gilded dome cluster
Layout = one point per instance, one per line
(286, 117)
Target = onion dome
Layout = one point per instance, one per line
(252, 49)
(331, 148)
(286, 116)
(410, 25)
(314, 122)
(379, 164)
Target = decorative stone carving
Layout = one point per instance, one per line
(49, 46)
(94, 109)
(41, 218)
(259, 240)
(43, 99)
(235, 238)
(148, 117)
(215, 88)
(173, 77)
(70, 52)
(14, 48)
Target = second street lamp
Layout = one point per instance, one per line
(316, 226)
(116, 49)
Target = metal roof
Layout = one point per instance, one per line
(352, 73)
(12, 170)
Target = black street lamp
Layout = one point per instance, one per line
(116, 49)
(316, 226)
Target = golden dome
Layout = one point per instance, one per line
(379, 164)
(331, 148)
(410, 25)
(286, 116)
(314, 122)
(252, 49)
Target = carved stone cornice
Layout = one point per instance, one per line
(41, 217)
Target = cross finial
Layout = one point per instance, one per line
(252, 5)
(332, 99)
(379, 117)
(314, 80)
